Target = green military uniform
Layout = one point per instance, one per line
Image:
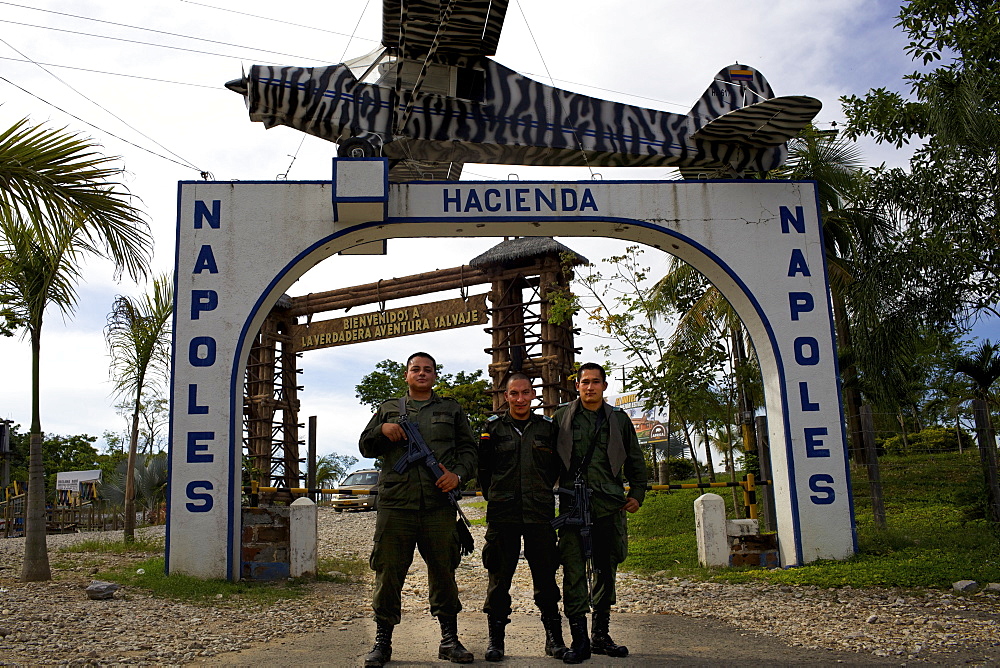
(518, 467)
(412, 510)
(616, 457)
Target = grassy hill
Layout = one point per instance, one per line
(936, 533)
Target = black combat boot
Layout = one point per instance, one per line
(554, 645)
(382, 651)
(495, 650)
(451, 647)
(600, 641)
(579, 650)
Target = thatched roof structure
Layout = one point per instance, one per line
(522, 251)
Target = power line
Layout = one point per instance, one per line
(114, 74)
(159, 32)
(99, 129)
(351, 37)
(162, 46)
(102, 107)
(272, 20)
(355, 31)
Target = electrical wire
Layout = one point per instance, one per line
(355, 31)
(99, 129)
(114, 74)
(351, 37)
(553, 81)
(135, 41)
(100, 106)
(273, 20)
(159, 32)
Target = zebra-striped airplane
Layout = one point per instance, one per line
(431, 99)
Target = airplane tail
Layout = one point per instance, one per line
(733, 88)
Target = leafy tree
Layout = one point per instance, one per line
(387, 381)
(983, 367)
(138, 336)
(331, 468)
(943, 266)
(57, 205)
(470, 390)
(625, 311)
(59, 453)
(154, 416)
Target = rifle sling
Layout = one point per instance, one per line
(581, 469)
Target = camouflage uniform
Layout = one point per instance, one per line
(604, 475)
(517, 471)
(412, 511)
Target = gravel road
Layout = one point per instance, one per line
(665, 620)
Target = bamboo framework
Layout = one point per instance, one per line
(271, 403)
(523, 274)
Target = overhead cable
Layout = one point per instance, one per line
(100, 106)
(99, 129)
(273, 20)
(159, 32)
(135, 41)
(114, 74)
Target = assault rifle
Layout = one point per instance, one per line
(418, 451)
(578, 515)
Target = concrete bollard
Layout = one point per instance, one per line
(710, 528)
(302, 537)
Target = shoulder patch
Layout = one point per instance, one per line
(617, 409)
(492, 418)
(547, 418)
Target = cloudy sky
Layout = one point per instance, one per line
(145, 79)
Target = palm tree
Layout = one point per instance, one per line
(983, 367)
(138, 335)
(56, 205)
(149, 481)
(835, 165)
(49, 174)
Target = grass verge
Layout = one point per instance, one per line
(149, 574)
(935, 534)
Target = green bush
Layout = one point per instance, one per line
(680, 469)
(931, 439)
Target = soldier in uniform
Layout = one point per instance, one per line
(599, 443)
(518, 467)
(413, 510)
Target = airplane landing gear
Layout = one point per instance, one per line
(356, 147)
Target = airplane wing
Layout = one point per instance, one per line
(443, 33)
(470, 29)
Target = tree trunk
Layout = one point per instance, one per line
(918, 422)
(987, 455)
(874, 474)
(852, 397)
(133, 445)
(708, 452)
(902, 426)
(731, 463)
(745, 405)
(36, 555)
(958, 430)
(690, 444)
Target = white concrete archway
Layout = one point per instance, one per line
(240, 245)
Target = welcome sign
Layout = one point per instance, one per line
(390, 323)
(759, 242)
